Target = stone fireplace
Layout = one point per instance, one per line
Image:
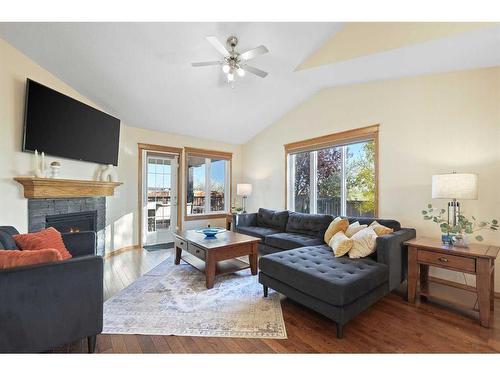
(70, 214)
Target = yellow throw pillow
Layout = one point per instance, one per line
(380, 229)
(340, 244)
(364, 243)
(338, 224)
(354, 228)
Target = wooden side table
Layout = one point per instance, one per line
(477, 260)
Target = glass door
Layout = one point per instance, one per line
(159, 198)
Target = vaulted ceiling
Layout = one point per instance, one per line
(141, 72)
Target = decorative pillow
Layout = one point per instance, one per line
(337, 225)
(364, 243)
(17, 258)
(49, 238)
(354, 228)
(380, 229)
(340, 244)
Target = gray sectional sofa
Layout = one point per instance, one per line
(296, 262)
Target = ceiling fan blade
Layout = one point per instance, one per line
(218, 45)
(206, 63)
(251, 53)
(255, 71)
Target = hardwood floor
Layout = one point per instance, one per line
(390, 326)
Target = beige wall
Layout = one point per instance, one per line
(122, 209)
(428, 125)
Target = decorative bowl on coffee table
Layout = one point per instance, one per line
(211, 232)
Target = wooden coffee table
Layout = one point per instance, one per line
(216, 256)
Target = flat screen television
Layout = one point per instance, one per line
(62, 126)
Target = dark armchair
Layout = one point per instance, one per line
(45, 306)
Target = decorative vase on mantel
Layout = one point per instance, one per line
(109, 174)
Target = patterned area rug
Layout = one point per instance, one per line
(173, 300)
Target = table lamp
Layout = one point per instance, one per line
(454, 186)
(244, 190)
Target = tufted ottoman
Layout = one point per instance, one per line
(339, 288)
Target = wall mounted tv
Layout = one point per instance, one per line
(61, 126)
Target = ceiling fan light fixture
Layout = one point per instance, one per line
(232, 59)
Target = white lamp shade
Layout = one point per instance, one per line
(454, 186)
(244, 190)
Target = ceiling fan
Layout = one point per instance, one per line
(232, 61)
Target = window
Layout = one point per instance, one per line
(335, 174)
(208, 183)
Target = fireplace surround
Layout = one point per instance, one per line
(69, 214)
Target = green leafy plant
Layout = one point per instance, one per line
(464, 224)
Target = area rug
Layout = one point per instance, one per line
(173, 300)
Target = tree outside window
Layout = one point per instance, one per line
(337, 180)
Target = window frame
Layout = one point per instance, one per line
(369, 133)
(208, 154)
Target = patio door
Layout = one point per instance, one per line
(160, 198)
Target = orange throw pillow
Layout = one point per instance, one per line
(16, 258)
(49, 238)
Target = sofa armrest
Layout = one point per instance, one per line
(47, 305)
(245, 220)
(80, 243)
(392, 252)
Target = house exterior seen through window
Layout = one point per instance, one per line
(207, 185)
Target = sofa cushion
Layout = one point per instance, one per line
(49, 238)
(316, 272)
(354, 228)
(395, 225)
(272, 219)
(380, 229)
(260, 232)
(364, 243)
(287, 241)
(311, 224)
(340, 244)
(17, 258)
(337, 225)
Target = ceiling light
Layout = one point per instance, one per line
(232, 59)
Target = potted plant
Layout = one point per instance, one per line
(459, 234)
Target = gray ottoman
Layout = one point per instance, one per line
(339, 288)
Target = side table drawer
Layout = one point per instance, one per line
(448, 261)
(196, 251)
(181, 244)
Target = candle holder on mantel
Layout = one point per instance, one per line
(39, 165)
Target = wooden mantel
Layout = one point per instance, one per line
(63, 188)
